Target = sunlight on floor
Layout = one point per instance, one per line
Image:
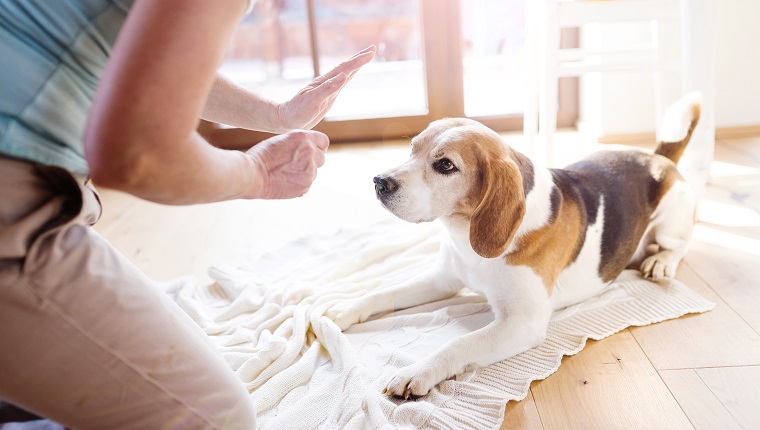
(728, 214)
(721, 169)
(724, 239)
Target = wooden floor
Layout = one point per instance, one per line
(699, 371)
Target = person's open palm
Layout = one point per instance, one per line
(312, 103)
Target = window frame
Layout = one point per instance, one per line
(444, 77)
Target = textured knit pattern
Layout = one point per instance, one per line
(266, 316)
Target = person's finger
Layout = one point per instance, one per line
(309, 171)
(355, 63)
(370, 48)
(329, 88)
(344, 68)
(356, 67)
(350, 65)
(321, 141)
(303, 158)
(319, 158)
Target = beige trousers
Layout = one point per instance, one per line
(86, 339)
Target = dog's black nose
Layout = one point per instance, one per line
(384, 186)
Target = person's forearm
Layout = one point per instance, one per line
(231, 104)
(139, 136)
(196, 172)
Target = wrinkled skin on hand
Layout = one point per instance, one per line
(288, 163)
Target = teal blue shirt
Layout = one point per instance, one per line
(52, 53)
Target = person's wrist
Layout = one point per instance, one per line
(268, 116)
(281, 122)
(255, 177)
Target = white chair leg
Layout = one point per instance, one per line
(659, 96)
(698, 28)
(532, 70)
(548, 96)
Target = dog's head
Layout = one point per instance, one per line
(459, 168)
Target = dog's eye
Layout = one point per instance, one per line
(445, 166)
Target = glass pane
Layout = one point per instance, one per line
(493, 33)
(393, 84)
(270, 51)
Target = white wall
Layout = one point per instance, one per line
(623, 103)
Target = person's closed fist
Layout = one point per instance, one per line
(288, 163)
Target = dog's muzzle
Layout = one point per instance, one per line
(384, 186)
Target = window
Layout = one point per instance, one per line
(436, 58)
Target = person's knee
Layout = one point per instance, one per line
(242, 415)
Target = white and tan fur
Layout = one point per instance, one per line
(530, 240)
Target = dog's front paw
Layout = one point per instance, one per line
(660, 265)
(345, 314)
(412, 382)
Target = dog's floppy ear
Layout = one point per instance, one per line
(501, 209)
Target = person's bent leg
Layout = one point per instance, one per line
(90, 342)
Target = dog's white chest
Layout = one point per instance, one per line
(490, 277)
(459, 258)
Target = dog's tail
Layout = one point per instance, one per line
(678, 125)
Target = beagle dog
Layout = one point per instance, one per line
(531, 240)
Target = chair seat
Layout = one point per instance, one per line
(575, 13)
(577, 68)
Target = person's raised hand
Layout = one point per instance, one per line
(312, 103)
(287, 164)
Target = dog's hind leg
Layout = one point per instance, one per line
(671, 227)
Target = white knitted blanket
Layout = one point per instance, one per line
(266, 317)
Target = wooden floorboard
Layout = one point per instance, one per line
(716, 338)
(704, 409)
(733, 275)
(610, 384)
(522, 415)
(737, 389)
(699, 371)
(717, 398)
